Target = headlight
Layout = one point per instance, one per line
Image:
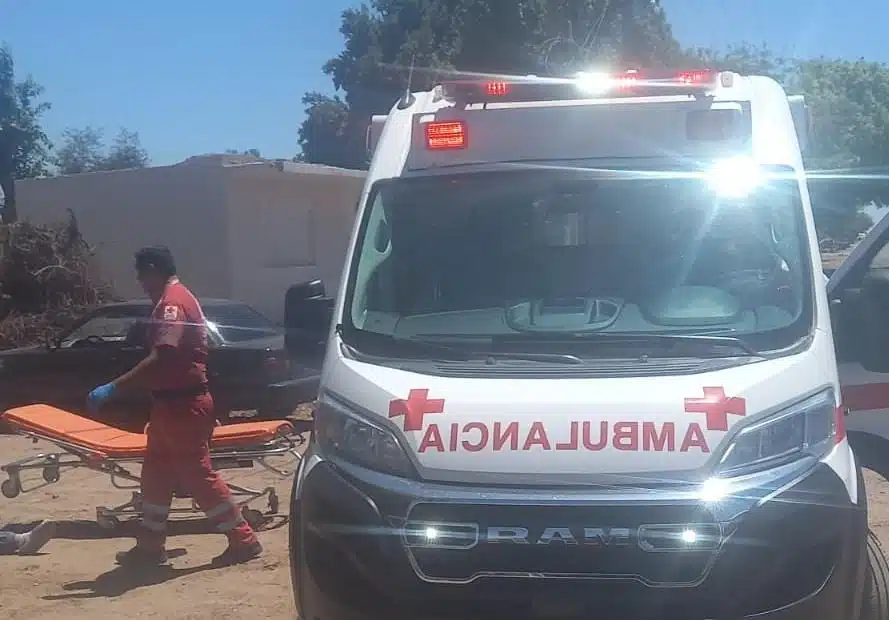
(352, 438)
(809, 428)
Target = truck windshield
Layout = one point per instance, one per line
(554, 253)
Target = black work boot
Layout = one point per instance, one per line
(238, 554)
(140, 557)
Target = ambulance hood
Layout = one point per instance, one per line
(462, 429)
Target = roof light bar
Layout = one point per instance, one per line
(587, 85)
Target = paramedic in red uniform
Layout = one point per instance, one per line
(182, 418)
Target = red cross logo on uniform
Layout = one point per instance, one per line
(414, 408)
(717, 407)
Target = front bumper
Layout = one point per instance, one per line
(796, 552)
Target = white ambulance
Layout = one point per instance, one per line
(583, 366)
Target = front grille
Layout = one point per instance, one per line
(667, 545)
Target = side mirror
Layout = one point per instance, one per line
(306, 290)
(307, 316)
(306, 307)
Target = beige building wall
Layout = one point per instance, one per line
(240, 228)
(287, 226)
(120, 211)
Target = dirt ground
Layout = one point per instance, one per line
(832, 260)
(75, 577)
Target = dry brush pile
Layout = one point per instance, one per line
(45, 281)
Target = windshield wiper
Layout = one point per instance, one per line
(443, 351)
(668, 339)
(548, 358)
(619, 338)
(356, 338)
(717, 341)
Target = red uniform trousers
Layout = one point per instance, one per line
(178, 458)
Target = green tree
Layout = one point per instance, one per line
(743, 58)
(388, 40)
(125, 152)
(325, 136)
(83, 150)
(848, 156)
(24, 147)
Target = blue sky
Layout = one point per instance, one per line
(198, 76)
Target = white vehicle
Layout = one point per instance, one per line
(583, 366)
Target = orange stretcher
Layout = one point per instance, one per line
(86, 443)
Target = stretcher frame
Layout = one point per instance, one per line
(73, 456)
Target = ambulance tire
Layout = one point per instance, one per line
(875, 604)
(294, 544)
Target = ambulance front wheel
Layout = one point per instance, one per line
(875, 605)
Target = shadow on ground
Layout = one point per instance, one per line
(90, 530)
(120, 580)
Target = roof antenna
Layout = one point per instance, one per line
(407, 99)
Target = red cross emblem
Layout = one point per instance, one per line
(717, 407)
(414, 408)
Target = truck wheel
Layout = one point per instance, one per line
(875, 605)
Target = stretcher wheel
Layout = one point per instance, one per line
(104, 520)
(253, 517)
(108, 523)
(274, 503)
(51, 474)
(11, 487)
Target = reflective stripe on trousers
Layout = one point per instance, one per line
(226, 516)
(178, 457)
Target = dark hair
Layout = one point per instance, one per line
(156, 258)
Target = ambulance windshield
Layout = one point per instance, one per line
(549, 251)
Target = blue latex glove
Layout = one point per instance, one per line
(98, 397)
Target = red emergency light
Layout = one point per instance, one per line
(445, 135)
(625, 81)
(585, 86)
(497, 89)
(696, 77)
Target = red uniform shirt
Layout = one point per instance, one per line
(178, 322)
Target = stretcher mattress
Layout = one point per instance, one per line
(60, 425)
